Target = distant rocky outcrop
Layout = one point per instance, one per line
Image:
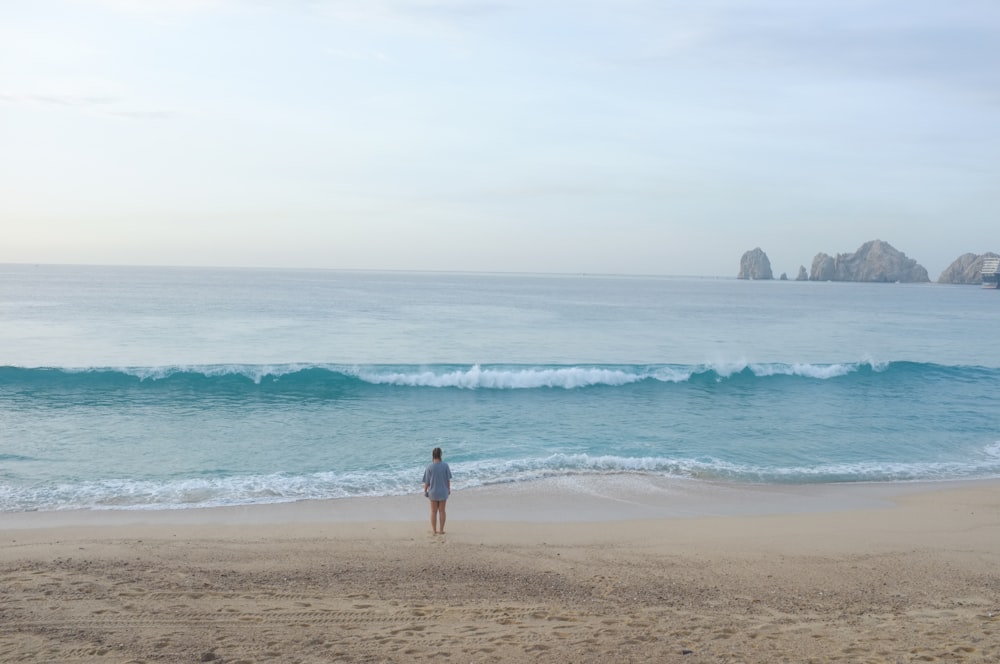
(755, 265)
(802, 275)
(966, 269)
(876, 261)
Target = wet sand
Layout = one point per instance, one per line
(622, 569)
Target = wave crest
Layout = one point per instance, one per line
(318, 378)
(477, 377)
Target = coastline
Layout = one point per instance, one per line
(559, 571)
(565, 499)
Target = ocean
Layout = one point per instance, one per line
(167, 388)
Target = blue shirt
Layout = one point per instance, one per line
(436, 476)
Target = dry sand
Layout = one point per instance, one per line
(622, 571)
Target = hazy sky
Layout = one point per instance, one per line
(627, 136)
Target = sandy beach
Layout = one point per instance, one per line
(606, 570)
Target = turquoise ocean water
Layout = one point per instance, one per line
(154, 388)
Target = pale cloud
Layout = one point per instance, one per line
(79, 101)
(434, 10)
(357, 55)
(159, 8)
(93, 104)
(942, 44)
(145, 115)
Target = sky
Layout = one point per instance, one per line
(585, 136)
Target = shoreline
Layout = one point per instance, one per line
(852, 573)
(578, 498)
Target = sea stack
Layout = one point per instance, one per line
(755, 265)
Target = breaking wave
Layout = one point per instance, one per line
(320, 380)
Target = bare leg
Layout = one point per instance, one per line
(441, 516)
(435, 505)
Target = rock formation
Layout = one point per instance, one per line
(966, 269)
(803, 275)
(823, 268)
(755, 265)
(874, 261)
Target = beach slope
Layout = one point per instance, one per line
(912, 579)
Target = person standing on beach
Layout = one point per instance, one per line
(437, 487)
